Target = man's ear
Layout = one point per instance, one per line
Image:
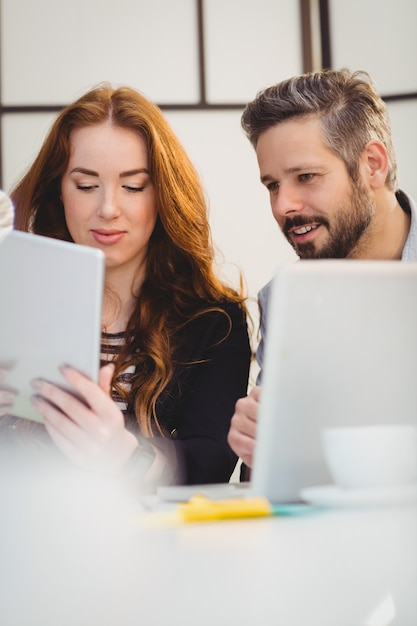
(374, 163)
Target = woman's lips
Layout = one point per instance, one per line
(107, 237)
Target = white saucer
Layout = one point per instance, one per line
(334, 496)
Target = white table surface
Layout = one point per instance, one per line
(75, 553)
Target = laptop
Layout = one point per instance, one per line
(341, 349)
(50, 312)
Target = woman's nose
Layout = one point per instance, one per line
(109, 207)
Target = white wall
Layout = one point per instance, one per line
(380, 37)
(52, 51)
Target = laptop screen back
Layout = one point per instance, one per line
(340, 349)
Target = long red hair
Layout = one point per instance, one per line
(180, 282)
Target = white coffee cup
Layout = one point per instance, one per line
(366, 457)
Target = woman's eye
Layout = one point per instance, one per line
(86, 187)
(133, 189)
(306, 177)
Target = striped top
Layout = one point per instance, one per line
(110, 348)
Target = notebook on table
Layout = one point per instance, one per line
(341, 349)
(50, 312)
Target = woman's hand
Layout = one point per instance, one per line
(92, 433)
(7, 394)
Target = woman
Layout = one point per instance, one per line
(111, 174)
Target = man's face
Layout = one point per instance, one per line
(320, 210)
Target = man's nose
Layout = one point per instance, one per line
(287, 201)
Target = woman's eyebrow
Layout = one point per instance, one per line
(141, 170)
(83, 170)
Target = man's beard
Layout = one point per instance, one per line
(351, 220)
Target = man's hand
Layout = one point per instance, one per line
(242, 433)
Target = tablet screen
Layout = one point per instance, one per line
(50, 312)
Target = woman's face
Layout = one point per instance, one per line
(108, 196)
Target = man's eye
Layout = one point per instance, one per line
(272, 186)
(306, 177)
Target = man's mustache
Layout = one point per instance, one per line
(303, 220)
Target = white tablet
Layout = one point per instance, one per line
(50, 312)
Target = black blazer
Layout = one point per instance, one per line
(196, 407)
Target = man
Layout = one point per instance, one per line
(325, 154)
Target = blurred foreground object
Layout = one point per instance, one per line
(6, 214)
